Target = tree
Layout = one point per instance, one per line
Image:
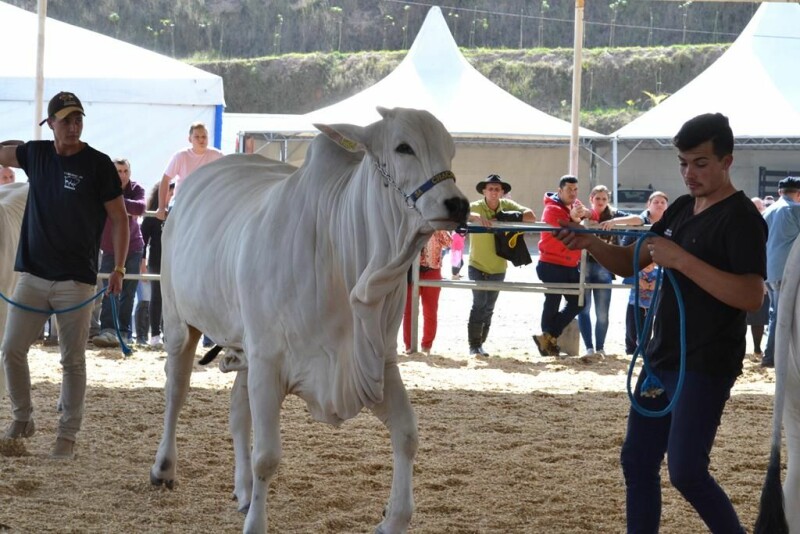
(337, 16)
(614, 6)
(543, 8)
(113, 18)
(276, 37)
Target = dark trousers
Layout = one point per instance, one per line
(631, 341)
(554, 321)
(686, 435)
(155, 301)
(483, 301)
(125, 299)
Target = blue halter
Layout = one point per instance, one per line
(411, 198)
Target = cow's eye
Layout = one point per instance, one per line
(404, 148)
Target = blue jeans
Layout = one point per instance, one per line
(125, 299)
(774, 289)
(686, 435)
(554, 321)
(595, 274)
(483, 301)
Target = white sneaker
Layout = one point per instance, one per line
(155, 342)
(601, 353)
(589, 352)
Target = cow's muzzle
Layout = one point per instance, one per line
(457, 209)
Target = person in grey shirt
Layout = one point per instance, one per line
(783, 221)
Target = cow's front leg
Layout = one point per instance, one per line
(241, 425)
(396, 413)
(266, 396)
(180, 357)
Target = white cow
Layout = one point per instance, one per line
(306, 275)
(13, 197)
(771, 518)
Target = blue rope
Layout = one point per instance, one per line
(651, 385)
(126, 350)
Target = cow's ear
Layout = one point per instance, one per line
(346, 136)
(385, 112)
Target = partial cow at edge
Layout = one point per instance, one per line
(776, 515)
(304, 273)
(13, 198)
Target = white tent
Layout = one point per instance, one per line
(435, 76)
(756, 83)
(494, 131)
(138, 104)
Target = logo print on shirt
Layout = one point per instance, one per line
(71, 181)
(668, 232)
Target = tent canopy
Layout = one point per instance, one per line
(435, 76)
(756, 84)
(139, 104)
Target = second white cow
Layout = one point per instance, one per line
(306, 275)
(777, 516)
(12, 207)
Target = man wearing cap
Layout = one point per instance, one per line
(783, 221)
(484, 263)
(72, 189)
(558, 264)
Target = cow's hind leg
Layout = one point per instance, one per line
(240, 425)
(266, 398)
(396, 413)
(181, 345)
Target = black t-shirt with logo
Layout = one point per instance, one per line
(65, 213)
(730, 235)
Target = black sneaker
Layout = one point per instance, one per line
(768, 363)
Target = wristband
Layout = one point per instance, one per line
(120, 269)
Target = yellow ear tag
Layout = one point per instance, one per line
(344, 142)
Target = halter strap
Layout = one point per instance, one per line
(411, 198)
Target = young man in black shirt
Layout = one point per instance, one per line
(713, 240)
(72, 189)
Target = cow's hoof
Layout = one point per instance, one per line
(243, 509)
(155, 481)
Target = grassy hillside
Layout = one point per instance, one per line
(618, 83)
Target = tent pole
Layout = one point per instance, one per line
(615, 168)
(38, 100)
(576, 89)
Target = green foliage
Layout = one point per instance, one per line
(618, 83)
(255, 28)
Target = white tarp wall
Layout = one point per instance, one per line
(138, 104)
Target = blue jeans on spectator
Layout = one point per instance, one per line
(686, 436)
(774, 289)
(125, 299)
(480, 316)
(595, 274)
(554, 321)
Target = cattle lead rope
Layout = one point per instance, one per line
(411, 198)
(126, 350)
(651, 386)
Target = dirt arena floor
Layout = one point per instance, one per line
(515, 443)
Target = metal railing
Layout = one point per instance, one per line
(524, 287)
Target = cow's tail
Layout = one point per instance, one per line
(210, 355)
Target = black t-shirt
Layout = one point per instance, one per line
(65, 213)
(730, 235)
